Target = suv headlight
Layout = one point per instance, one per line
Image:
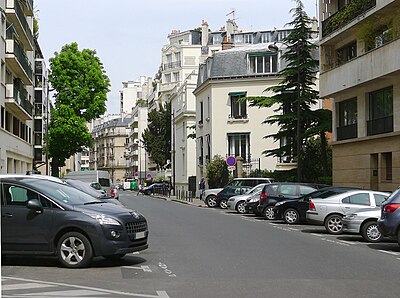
(104, 220)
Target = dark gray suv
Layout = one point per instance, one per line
(43, 217)
(389, 223)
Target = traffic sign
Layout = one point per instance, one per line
(231, 161)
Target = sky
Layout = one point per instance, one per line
(128, 34)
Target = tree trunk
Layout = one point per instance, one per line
(54, 169)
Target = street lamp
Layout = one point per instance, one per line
(140, 161)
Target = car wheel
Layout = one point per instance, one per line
(114, 257)
(211, 201)
(223, 204)
(334, 224)
(240, 207)
(74, 250)
(269, 212)
(370, 232)
(291, 216)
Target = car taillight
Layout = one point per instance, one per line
(263, 196)
(112, 192)
(389, 208)
(311, 205)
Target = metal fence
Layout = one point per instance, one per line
(185, 195)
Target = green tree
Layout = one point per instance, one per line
(157, 136)
(81, 86)
(217, 172)
(295, 94)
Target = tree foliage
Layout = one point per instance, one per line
(217, 172)
(81, 85)
(295, 94)
(157, 136)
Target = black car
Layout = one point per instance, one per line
(44, 217)
(160, 188)
(282, 191)
(389, 223)
(294, 211)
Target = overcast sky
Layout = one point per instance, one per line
(128, 34)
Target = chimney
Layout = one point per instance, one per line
(204, 33)
(227, 44)
(231, 28)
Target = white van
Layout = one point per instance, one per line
(102, 177)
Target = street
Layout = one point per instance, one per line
(204, 252)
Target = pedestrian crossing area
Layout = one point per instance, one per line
(25, 288)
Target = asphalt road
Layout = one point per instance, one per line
(202, 252)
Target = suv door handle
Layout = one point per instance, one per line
(7, 215)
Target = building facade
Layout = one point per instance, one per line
(360, 70)
(17, 48)
(110, 134)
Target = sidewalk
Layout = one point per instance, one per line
(194, 202)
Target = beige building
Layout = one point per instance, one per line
(360, 70)
(17, 50)
(132, 91)
(110, 135)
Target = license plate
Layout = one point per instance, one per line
(140, 235)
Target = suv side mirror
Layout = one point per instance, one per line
(34, 204)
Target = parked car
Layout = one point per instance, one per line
(389, 222)
(251, 204)
(329, 212)
(83, 186)
(281, 191)
(101, 177)
(210, 196)
(114, 192)
(238, 202)
(160, 188)
(364, 222)
(238, 186)
(294, 211)
(44, 217)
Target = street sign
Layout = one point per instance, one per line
(231, 161)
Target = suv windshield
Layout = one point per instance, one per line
(61, 192)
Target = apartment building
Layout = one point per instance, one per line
(17, 49)
(225, 125)
(360, 70)
(132, 91)
(110, 134)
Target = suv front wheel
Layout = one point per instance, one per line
(269, 212)
(74, 250)
(211, 201)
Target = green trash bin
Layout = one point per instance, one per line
(133, 185)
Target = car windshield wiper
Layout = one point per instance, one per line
(93, 202)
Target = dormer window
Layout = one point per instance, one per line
(266, 62)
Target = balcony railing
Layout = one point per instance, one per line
(381, 125)
(172, 65)
(17, 50)
(19, 98)
(346, 15)
(22, 20)
(346, 132)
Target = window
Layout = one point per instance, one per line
(379, 199)
(263, 62)
(387, 166)
(18, 196)
(347, 128)
(167, 78)
(239, 145)
(288, 190)
(357, 199)
(238, 107)
(201, 151)
(201, 112)
(265, 37)
(2, 117)
(248, 38)
(16, 126)
(380, 111)
(305, 190)
(176, 77)
(346, 53)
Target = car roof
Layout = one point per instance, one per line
(36, 176)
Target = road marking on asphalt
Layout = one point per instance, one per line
(23, 286)
(389, 252)
(159, 294)
(144, 268)
(347, 242)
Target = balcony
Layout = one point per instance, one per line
(18, 61)
(379, 126)
(344, 16)
(17, 102)
(346, 132)
(379, 62)
(17, 17)
(169, 65)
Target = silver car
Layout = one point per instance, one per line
(330, 211)
(364, 222)
(210, 196)
(237, 202)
